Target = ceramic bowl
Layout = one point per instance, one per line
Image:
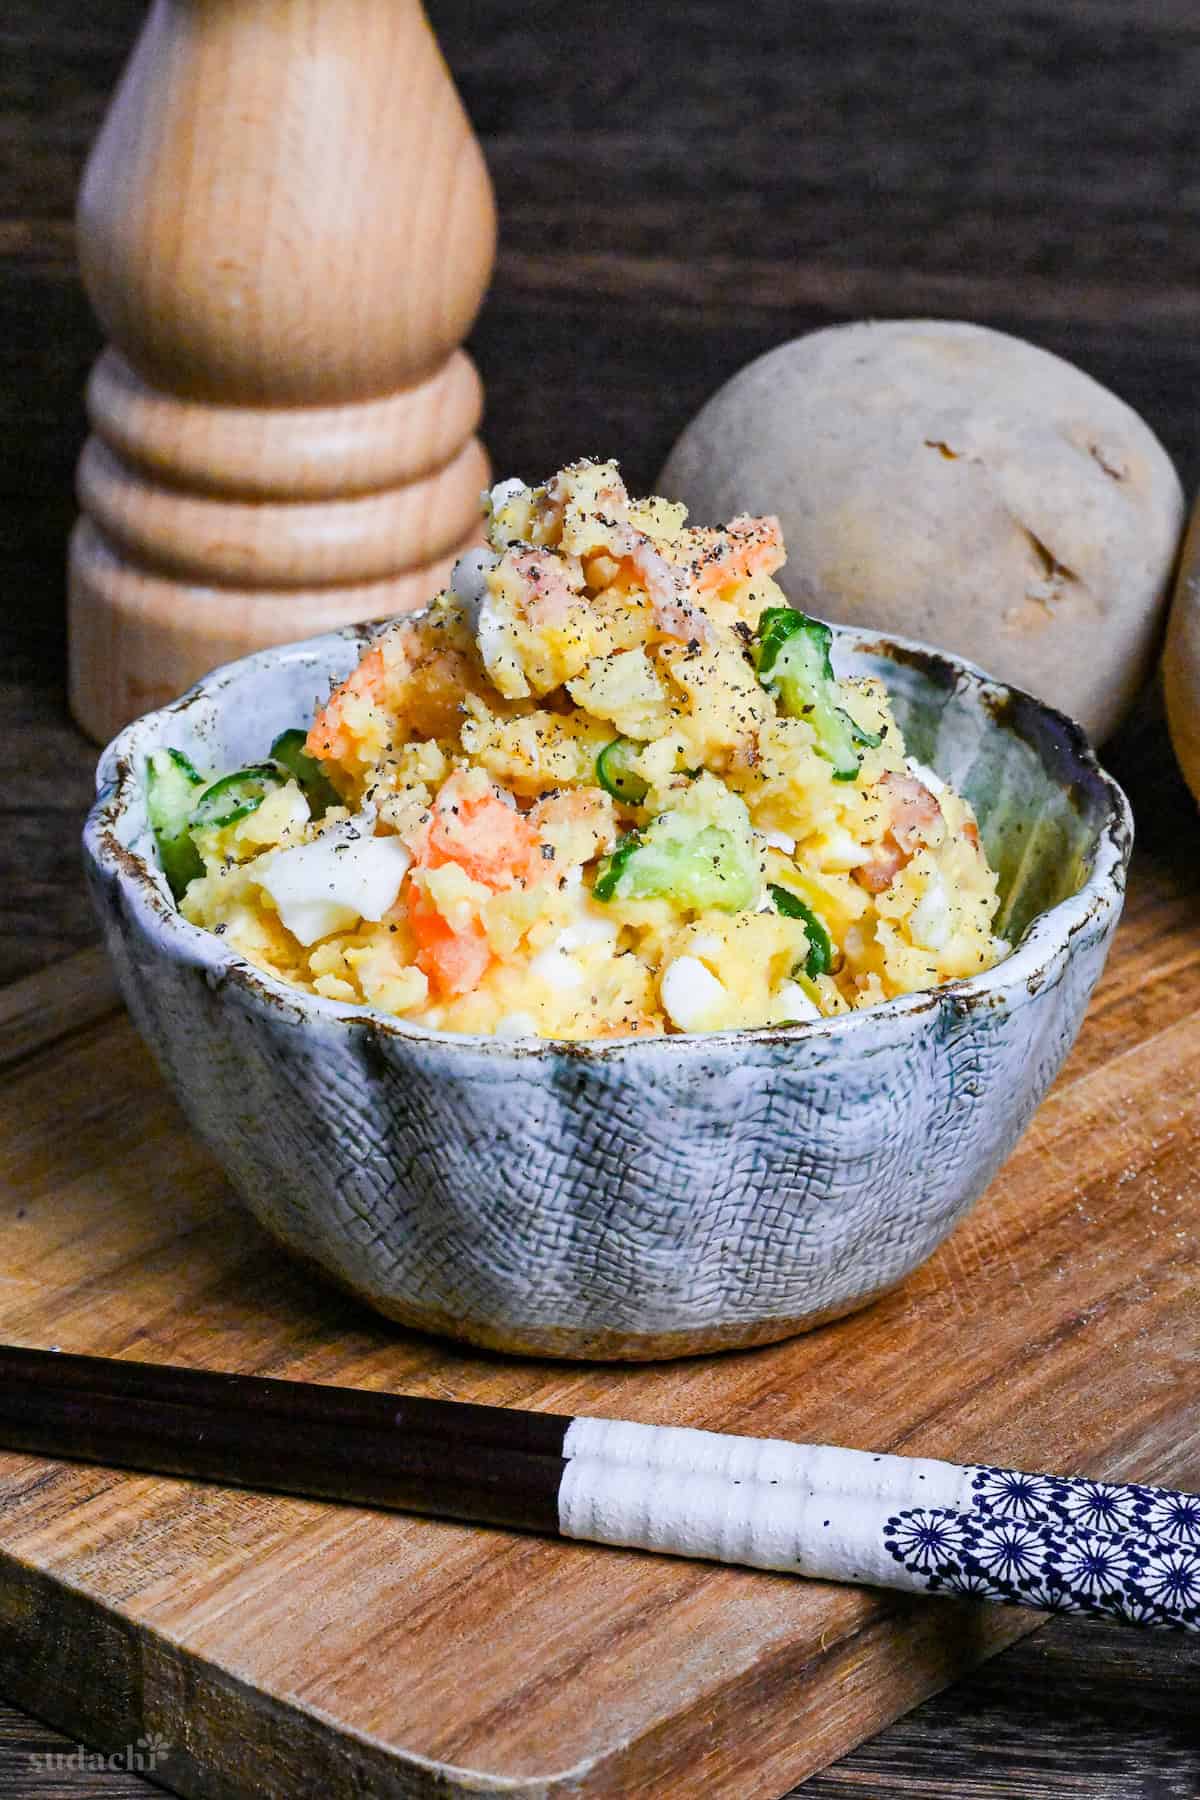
(640, 1198)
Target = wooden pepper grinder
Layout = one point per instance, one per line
(286, 229)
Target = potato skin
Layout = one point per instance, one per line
(959, 486)
(1181, 659)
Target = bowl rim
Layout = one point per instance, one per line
(1048, 934)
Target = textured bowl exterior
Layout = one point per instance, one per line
(627, 1199)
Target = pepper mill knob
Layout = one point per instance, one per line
(286, 229)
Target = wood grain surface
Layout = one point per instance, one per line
(679, 189)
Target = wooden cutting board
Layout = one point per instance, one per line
(277, 1647)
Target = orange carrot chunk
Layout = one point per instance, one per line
(745, 548)
(486, 838)
(329, 738)
(454, 962)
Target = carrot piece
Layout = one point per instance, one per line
(489, 840)
(455, 962)
(330, 738)
(745, 547)
(492, 844)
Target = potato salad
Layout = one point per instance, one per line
(608, 785)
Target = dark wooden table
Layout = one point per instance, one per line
(680, 187)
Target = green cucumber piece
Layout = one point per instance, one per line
(819, 960)
(288, 750)
(794, 664)
(699, 855)
(613, 867)
(236, 796)
(615, 775)
(172, 784)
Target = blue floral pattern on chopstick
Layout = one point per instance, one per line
(1064, 1545)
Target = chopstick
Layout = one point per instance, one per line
(1063, 1543)
(477, 1482)
(260, 1395)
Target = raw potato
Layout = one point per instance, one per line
(1181, 662)
(955, 485)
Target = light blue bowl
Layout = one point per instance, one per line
(634, 1198)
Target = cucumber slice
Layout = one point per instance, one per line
(613, 867)
(172, 784)
(819, 960)
(288, 750)
(615, 775)
(794, 664)
(699, 855)
(236, 796)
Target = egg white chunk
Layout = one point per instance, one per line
(504, 491)
(557, 968)
(924, 774)
(469, 580)
(330, 884)
(931, 920)
(839, 851)
(794, 1003)
(490, 629)
(691, 993)
(708, 947)
(586, 928)
(498, 649)
(556, 965)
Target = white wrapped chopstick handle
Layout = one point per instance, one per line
(1128, 1552)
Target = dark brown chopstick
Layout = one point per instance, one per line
(540, 1434)
(371, 1465)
